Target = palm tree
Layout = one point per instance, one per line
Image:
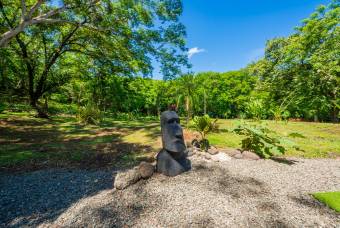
(187, 94)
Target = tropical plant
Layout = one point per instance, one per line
(204, 125)
(90, 114)
(259, 139)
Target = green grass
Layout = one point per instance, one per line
(26, 140)
(62, 139)
(331, 199)
(301, 139)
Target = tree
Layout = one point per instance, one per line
(306, 66)
(186, 87)
(98, 38)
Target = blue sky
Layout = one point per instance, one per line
(230, 34)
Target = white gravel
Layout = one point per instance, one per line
(235, 193)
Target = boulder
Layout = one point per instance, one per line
(125, 179)
(207, 156)
(230, 151)
(220, 157)
(146, 169)
(250, 155)
(238, 156)
(190, 152)
(212, 150)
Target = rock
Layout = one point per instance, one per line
(212, 150)
(146, 170)
(125, 179)
(238, 156)
(207, 156)
(195, 143)
(191, 152)
(250, 155)
(230, 151)
(221, 157)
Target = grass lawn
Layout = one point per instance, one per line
(331, 199)
(301, 139)
(30, 143)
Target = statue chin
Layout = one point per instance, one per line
(175, 148)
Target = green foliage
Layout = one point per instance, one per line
(97, 41)
(204, 125)
(301, 71)
(90, 114)
(260, 140)
(2, 107)
(331, 199)
(255, 109)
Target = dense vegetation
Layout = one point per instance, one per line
(92, 57)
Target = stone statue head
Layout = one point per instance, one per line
(172, 134)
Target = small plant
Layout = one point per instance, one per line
(90, 114)
(259, 140)
(204, 125)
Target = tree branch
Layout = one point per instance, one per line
(23, 10)
(34, 8)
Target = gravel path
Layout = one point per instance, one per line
(237, 193)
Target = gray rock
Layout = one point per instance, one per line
(220, 157)
(238, 156)
(250, 155)
(146, 169)
(191, 151)
(125, 179)
(230, 151)
(207, 156)
(212, 150)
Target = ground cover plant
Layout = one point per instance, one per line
(331, 199)
(259, 139)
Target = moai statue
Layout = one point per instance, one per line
(172, 159)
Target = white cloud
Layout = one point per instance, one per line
(193, 51)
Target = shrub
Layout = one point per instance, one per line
(259, 140)
(255, 109)
(204, 125)
(2, 107)
(90, 114)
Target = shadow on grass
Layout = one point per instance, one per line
(31, 144)
(29, 199)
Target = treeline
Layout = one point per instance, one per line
(299, 76)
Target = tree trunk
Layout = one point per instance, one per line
(205, 103)
(334, 115)
(187, 104)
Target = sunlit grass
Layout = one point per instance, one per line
(331, 199)
(301, 139)
(25, 138)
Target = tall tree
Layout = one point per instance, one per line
(99, 38)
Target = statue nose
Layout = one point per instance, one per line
(178, 131)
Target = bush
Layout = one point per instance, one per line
(2, 107)
(258, 140)
(256, 109)
(90, 114)
(204, 125)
